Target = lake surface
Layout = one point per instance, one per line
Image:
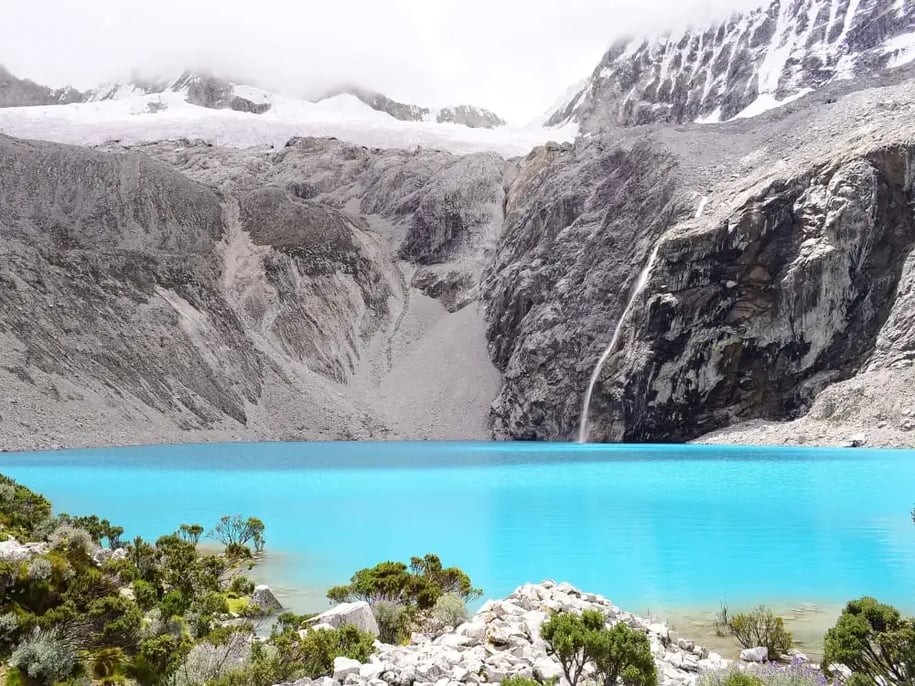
(651, 527)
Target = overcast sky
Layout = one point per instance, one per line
(515, 57)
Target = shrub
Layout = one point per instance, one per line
(209, 661)
(624, 654)
(9, 630)
(145, 594)
(449, 610)
(524, 681)
(760, 627)
(319, 647)
(242, 585)
(773, 674)
(39, 569)
(729, 677)
(394, 622)
(69, 538)
(106, 665)
(872, 639)
(420, 585)
(43, 656)
(617, 653)
(795, 674)
(21, 510)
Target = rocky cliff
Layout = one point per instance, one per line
(140, 304)
(743, 65)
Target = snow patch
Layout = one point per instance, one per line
(255, 95)
(902, 48)
(766, 102)
(712, 118)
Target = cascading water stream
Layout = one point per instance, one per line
(639, 287)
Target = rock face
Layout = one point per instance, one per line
(208, 91)
(814, 262)
(743, 65)
(503, 640)
(222, 293)
(577, 220)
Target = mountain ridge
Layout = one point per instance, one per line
(205, 89)
(743, 65)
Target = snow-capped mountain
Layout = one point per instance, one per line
(223, 112)
(745, 65)
(206, 90)
(465, 115)
(15, 92)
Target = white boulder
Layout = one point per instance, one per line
(758, 654)
(264, 599)
(344, 666)
(357, 614)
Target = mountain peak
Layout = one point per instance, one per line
(744, 65)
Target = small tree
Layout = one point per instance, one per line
(760, 627)
(617, 653)
(566, 636)
(190, 533)
(872, 639)
(621, 653)
(235, 533)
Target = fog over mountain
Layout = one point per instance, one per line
(512, 57)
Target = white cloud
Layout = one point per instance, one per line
(513, 56)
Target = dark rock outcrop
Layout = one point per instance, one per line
(208, 91)
(577, 220)
(756, 315)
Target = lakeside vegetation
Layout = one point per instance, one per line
(79, 604)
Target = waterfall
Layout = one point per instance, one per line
(639, 287)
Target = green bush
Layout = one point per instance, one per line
(420, 585)
(760, 627)
(729, 677)
(21, 510)
(874, 641)
(617, 653)
(524, 681)
(319, 647)
(145, 594)
(622, 654)
(242, 585)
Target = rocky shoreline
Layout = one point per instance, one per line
(502, 640)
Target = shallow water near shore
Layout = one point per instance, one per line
(674, 530)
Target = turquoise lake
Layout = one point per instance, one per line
(650, 527)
